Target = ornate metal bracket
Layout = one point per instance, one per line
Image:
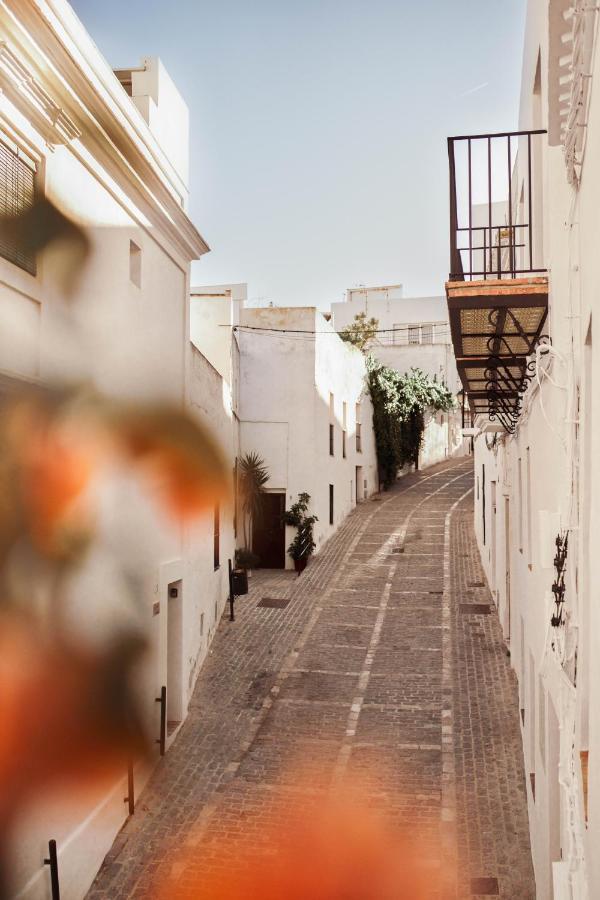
(504, 389)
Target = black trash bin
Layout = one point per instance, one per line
(240, 582)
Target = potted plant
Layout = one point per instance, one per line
(303, 545)
(245, 561)
(252, 477)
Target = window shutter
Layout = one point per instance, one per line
(17, 194)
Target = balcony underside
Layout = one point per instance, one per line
(496, 326)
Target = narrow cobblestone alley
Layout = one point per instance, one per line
(375, 670)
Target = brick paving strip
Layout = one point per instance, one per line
(359, 672)
(492, 827)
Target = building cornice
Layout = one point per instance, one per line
(52, 71)
(17, 83)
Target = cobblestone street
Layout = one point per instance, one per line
(375, 670)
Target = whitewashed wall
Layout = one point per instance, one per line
(214, 311)
(555, 485)
(207, 588)
(285, 382)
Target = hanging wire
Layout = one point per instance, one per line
(444, 330)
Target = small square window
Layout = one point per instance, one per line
(135, 264)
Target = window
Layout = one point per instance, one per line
(235, 495)
(427, 334)
(358, 429)
(17, 195)
(532, 717)
(344, 444)
(413, 334)
(522, 678)
(217, 537)
(331, 424)
(529, 512)
(483, 499)
(344, 416)
(542, 719)
(135, 264)
(331, 504)
(399, 334)
(520, 491)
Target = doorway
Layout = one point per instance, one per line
(359, 484)
(268, 538)
(554, 789)
(174, 655)
(506, 616)
(494, 579)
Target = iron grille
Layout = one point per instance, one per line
(492, 198)
(17, 194)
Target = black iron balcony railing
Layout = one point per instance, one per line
(495, 204)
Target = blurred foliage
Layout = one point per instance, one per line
(69, 712)
(252, 477)
(43, 226)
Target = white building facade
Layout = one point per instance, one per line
(110, 151)
(537, 478)
(413, 332)
(304, 408)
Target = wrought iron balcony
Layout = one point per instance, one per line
(498, 290)
(494, 196)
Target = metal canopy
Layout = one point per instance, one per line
(496, 325)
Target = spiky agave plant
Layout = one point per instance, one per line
(253, 475)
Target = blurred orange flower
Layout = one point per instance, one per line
(343, 851)
(57, 466)
(66, 713)
(183, 461)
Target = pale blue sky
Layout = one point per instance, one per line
(318, 128)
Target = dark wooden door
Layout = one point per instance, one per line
(269, 532)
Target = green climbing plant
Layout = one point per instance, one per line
(399, 405)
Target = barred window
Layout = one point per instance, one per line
(17, 194)
(427, 334)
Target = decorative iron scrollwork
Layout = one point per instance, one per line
(504, 388)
